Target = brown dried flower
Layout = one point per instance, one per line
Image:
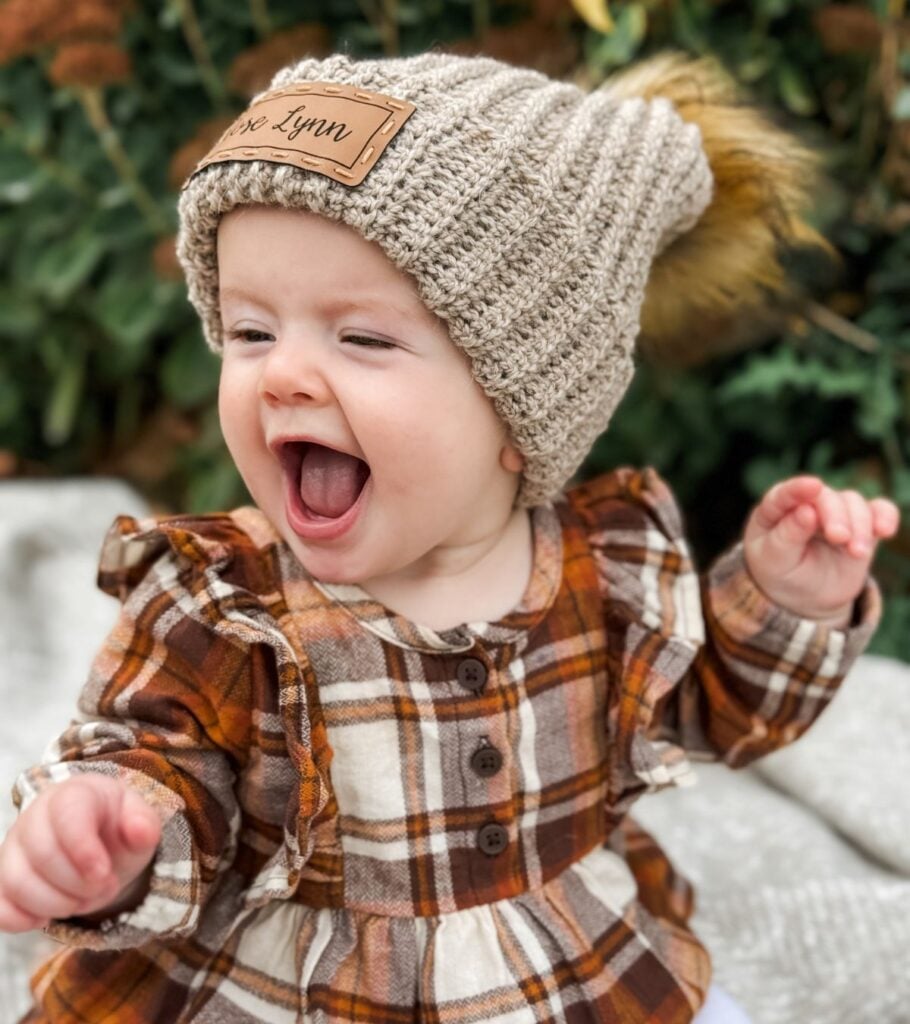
(25, 26)
(190, 153)
(253, 69)
(847, 28)
(88, 19)
(89, 64)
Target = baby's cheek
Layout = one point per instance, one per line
(395, 425)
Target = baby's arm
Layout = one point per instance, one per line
(164, 718)
(787, 610)
(81, 848)
(712, 666)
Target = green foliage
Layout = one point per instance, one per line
(102, 365)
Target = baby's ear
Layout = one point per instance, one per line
(511, 458)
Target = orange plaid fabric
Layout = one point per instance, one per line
(368, 820)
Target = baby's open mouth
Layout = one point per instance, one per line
(328, 481)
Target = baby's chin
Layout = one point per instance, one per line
(335, 567)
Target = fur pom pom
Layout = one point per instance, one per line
(715, 286)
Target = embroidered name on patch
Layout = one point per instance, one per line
(336, 130)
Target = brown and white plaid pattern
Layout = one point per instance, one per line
(310, 753)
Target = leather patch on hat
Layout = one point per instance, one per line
(336, 130)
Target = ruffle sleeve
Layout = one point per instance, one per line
(703, 666)
(169, 707)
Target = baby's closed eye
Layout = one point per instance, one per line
(365, 341)
(249, 334)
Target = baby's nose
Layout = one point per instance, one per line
(291, 374)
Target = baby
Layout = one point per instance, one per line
(365, 752)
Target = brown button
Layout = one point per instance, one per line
(486, 761)
(492, 839)
(471, 674)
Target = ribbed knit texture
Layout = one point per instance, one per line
(527, 211)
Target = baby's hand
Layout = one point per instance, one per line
(78, 846)
(809, 547)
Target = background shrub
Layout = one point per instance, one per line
(106, 105)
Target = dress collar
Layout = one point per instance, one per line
(543, 585)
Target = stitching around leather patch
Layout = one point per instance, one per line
(332, 129)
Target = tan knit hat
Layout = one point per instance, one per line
(527, 211)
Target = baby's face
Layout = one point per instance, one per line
(352, 417)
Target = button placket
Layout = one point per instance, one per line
(472, 675)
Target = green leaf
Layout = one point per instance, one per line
(60, 412)
(756, 66)
(847, 383)
(900, 486)
(169, 15)
(773, 8)
(689, 25)
(20, 314)
(77, 147)
(33, 110)
(175, 68)
(762, 376)
(894, 626)
(215, 487)
(408, 14)
(795, 90)
(189, 372)
(820, 458)
(762, 473)
(620, 46)
(770, 375)
(131, 305)
(880, 403)
(118, 225)
(17, 169)
(65, 265)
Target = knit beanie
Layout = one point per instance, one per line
(528, 212)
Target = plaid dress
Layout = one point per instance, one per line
(368, 820)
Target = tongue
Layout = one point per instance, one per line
(330, 481)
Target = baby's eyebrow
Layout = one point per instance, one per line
(241, 294)
(371, 304)
(356, 303)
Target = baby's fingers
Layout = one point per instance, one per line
(885, 517)
(140, 827)
(859, 516)
(785, 497)
(850, 520)
(12, 919)
(46, 854)
(76, 813)
(34, 896)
